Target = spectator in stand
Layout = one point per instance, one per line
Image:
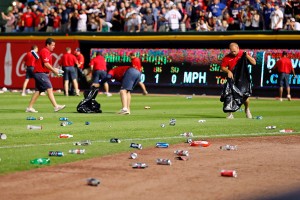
(267, 16)
(217, 9)
(234, 12)
(184, 17)
(295, 26)
(56, 22)
(10, 18)
(29, 63)
(27, 20)
(68, 63)
(202, 25)
(173, 17)
(116, 22)
(195, 10)
(65, 14)
(255, 20)
(296, 9)
(74, 16)
(98, 67)
(134, 22)
(149, 20)
(82, 21)
(110, 9)
(276, 19)
(50, 17)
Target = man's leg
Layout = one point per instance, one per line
(247, 110)
(24, 87)
(66, 86)
(75, 83)
(53, 101)
(128, 100)
(280, 93)
(33, 99)
(288, 90)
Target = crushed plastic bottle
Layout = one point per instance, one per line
(40, 161)
(139, 165)
(286, 131)
(181, 153)
(270, 127)
(93, 182)
(77, 151)
(187, 134)
(30, 118)
(63, 119)
(162, 161)
(228, 147)
(135, 145)
(83, 143)
(65, 136)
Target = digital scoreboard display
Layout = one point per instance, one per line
(198, 67)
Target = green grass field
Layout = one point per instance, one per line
(142, 126)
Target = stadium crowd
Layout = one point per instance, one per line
(151, 15)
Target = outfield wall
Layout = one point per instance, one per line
(183, 63)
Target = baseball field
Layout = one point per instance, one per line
(266, 160)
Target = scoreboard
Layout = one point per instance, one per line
(198, 67)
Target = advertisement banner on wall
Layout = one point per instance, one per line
(12, 70)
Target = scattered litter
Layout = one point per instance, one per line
(162, 145)
(93, 182)
(135, 145)
(229, 173)
(83, 143)
(133, 155)
(32, 127)
(139, 165)
(3, 136)
(162, 161)
(201, 143)
(228, 147)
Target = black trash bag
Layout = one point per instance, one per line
(231, 96)
(242, 77)
(89, 104)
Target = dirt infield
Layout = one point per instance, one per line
(267, 167)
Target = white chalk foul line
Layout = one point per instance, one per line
(155, 138)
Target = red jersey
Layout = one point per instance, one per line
(118, 72)
(28, 19)
(80, 60)
(56, 22)
(230, 60)
(136, 63)
(284, 65)
(68, 60)
(29, 60)
(98, 63)
(45, 57)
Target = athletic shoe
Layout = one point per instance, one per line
(289, 97)
(124, 112)
(23, 94)
(43, 94)
(280, 99)
(230, 116)
(145, 93)
(78, 93)
(248, 114)
(32, 110)
(59, 107)
(108, 94)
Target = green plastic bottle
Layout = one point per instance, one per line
(40, 161)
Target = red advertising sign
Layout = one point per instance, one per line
(12, 72)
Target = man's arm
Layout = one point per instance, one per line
(251, 59)
(229, 73)
(54, 70)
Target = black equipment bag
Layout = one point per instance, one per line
(89, 104)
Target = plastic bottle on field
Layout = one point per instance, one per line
(77, 151)
(286, 131)
(30, 118)
(187, 134)
(40, 161)
(63, 119)
(228, 147)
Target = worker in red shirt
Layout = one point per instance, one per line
(28, 20)
(29, 62)
(68, 62)
(129, 77)
(228, 64)
(99, 70)
(284, 67)
(42, 68)
(136, 63)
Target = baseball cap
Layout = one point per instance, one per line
(77, 49)
(292, 19)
